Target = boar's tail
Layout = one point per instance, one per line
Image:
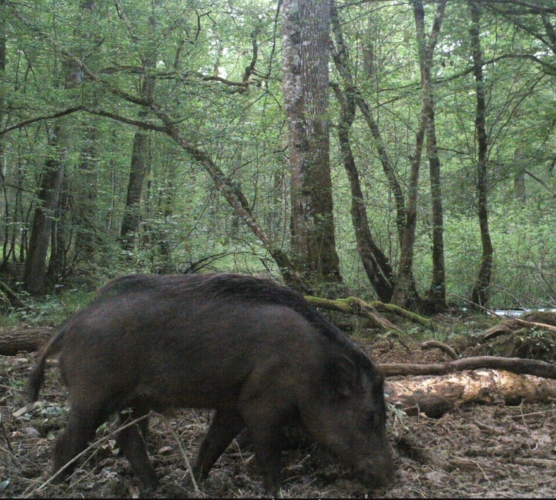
(36, 379)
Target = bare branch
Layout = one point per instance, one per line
(41, 118)
(123, 119)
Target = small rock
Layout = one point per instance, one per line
(31, 432)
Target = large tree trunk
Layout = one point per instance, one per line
(306, 28)
(480, 293)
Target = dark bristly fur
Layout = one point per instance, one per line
(257, 352)
(236, 287)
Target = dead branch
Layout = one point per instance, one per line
(12, 297)
(435, 344)
(514, 324)
(370, 310)
(353, 305)
(514, 365)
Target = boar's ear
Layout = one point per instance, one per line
(343, 375)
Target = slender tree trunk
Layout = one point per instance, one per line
(140, 155)
(306, 26)
(165, 209)
(86, 221)
(375, 262)
(139, 166)
(405, 294)
(480, 293)
(3, 58)
(60, 237)
(35, 261)
(86, 236)
(437, 292)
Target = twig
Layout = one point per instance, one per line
(168, 425)
(6, 438)
(435, 344)
(536, 462)
(78, 456)
(478, 305)
(521, 415)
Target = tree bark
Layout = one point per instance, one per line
(480, 294)
(306, 27)
(7, 217)
(86, 225)
(140, 154)
(437, 291)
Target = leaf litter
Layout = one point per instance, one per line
(474, 451)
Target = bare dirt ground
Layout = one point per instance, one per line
(476, 451)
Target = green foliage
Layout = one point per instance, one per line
(193, 49)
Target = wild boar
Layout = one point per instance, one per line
(255, 351)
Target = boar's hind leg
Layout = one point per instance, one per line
(132, 441)
(225, 426)
(81, 429)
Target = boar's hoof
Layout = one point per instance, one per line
(374, 481)
(150, 484)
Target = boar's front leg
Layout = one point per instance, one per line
(225, 426)
(264, 424)
(132, 441)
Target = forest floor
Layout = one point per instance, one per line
(475, 451)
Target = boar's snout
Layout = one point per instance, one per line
(377, 472)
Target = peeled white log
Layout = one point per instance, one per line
(434, 396)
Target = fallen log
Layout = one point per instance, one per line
(370, 310)
(12, 297)
(512, 325)
(14, 341)
(353, 305)
(434, 396)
